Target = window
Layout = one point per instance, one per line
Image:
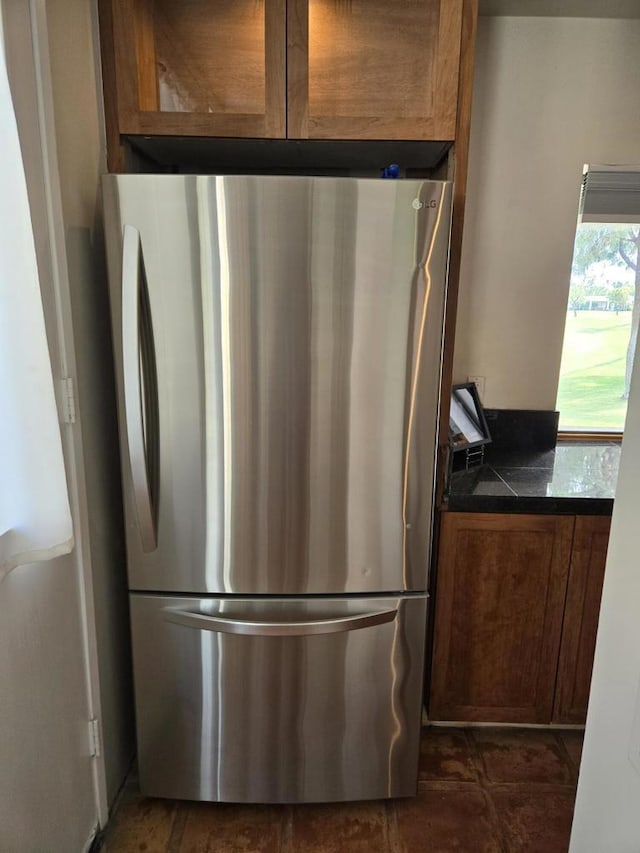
(604, 304)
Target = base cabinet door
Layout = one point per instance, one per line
(580, 626)
(500, 595)
(278, 700)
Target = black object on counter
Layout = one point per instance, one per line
(468, 430)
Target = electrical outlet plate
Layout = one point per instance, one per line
(479, 383)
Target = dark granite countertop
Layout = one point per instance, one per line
(578, 478)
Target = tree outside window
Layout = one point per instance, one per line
(602, 327)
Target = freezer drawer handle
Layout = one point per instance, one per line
(221, 624)
(141, 457)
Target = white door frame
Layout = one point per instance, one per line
(58, 320)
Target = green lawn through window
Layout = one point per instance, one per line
(592, 371)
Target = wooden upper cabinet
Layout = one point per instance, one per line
(499, 607)
(196, 67)
(373, 69)
(582, 612)
(276, 69)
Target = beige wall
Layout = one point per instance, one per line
(80, 145)
(550, 95)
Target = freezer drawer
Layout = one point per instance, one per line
(278, 700)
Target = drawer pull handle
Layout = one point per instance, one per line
(260, 628)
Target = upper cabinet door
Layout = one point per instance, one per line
(373, 69)
(201, 68)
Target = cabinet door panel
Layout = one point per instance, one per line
(500, 595)
(195, 67)
(368, 69)
(582, 610)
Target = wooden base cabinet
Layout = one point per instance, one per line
(516, 611)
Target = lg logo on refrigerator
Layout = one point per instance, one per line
(418, 205)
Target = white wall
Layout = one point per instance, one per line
(550, 95)
(607, 814)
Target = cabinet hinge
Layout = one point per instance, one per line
(95, 740)
(68, 398)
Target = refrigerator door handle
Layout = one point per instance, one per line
(133, 388)
(259, 628)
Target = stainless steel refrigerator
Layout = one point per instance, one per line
(277, 346)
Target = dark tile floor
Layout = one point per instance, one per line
(481, 790)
